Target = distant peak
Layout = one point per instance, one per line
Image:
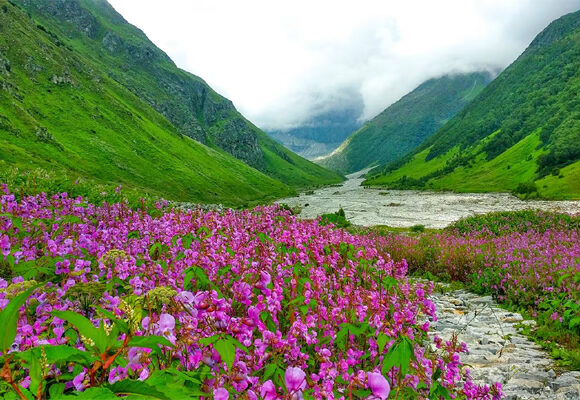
(557, 30)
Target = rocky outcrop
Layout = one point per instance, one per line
(4, 65)
(497, 350)
(69, 11)
(237, 138)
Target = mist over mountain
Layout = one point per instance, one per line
(521, 133)
(323, 133)
(407, 123)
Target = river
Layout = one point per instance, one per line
(405, 208)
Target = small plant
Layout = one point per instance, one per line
(338, 219)
(418, 228)
(526, 189)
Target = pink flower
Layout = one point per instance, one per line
(378, 385)
(221, 394)
(78, 381)
(295, 379)
(5, 245)
(166, 323)
(268, 390)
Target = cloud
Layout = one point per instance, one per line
(283, 63)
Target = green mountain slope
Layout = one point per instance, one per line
(109, 49)
(405, 124)
(522, 133)
(62, 112)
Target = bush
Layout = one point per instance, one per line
(418, 228)
(338, 219)
(526, 188)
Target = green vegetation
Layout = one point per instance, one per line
(515, 221)
(527, 260)
(523, 128)
(405, 124)
(84, 94)
(338, 219)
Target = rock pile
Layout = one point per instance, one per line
(498, 352)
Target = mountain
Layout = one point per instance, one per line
(521, 133)
(323, 133)
(405, 124)
(84, 91)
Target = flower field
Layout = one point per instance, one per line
(107, 301)
(529, 260)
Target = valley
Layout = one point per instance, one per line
(153, 244)
(368, 206)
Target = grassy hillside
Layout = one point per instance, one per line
(522, 133)
(95, 32)
(61, 111)
(405, 124)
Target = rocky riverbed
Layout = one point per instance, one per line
(497, 350)
(405, 208)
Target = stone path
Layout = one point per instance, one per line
(498, 352)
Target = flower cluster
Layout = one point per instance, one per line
(266, 305)
(534, 265)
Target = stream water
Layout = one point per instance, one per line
(405, 208)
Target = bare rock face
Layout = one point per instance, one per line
(240, 141)
(69, 11)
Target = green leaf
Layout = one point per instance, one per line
(35, 373)
(123, 326)
(201, 280)
(399, 356)
(405, 356)
(269, 371)
(151, 342)
(437, 391)
(140, 389)
(96, 393)
(263, 237)
(56, 354)
(266, 317)
(187, 240)
(178, 385)
(85, 328)
(389, 282)
(227, 351)
(437, 374)
(155, 250)
(236, 343)
(9, 319)
(382, 342)
(134, 235)
(574, 322)
(209, 340)
(56, 391)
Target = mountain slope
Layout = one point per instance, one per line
(528, 117)
(93, 29)
(406, 123)
(62, 112)
(323, 133)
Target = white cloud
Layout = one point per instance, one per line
(282, 62)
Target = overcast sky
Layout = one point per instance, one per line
(283, 62)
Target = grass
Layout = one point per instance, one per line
(504, 173)
(565, 185)
(95, 124)
(532, 110)
(417, 167)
